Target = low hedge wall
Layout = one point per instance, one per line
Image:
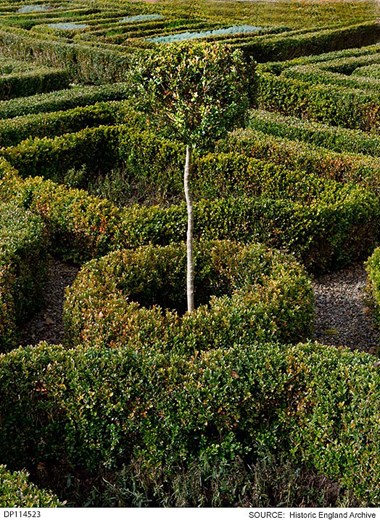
(34, 82)
(316, 75)
(334, 138)
(93, 411)
(325, 233)
(344, 61)
(291, 45)
(87, 159)
(84, 64)
(62, 100)
(370, 71)
(52, 124)
(329, 104)
(240, 291)
(17, 491)
(295, 154)
(22, 268)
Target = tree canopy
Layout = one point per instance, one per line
(201, 90)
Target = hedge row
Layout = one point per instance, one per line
(371, 71)
(154, 175)
(344, 61)
(295, 154)
(34, 82)
(134, 298)
(62, 100)
(315, 75)
(293, 44)
(324, 233)
(17, 491)
(52, 124)
(334, 138)
(92, 412)
(329, 104)
(84, 64)
(22, 268)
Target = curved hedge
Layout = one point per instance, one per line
(251, 292)
(22, 268)
(17, 491)
(344, 224)
(93, 411)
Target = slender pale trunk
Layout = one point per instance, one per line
(189, 240)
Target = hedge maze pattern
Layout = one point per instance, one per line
(143, 396)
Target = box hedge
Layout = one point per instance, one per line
(347, 107)
(93, 411)
(62, 100)
(334, 138)
(344, 225)
(22, 268)
(240, 291)
(34, 82)
(307, 157)
(17, 491)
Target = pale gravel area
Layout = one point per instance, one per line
(47, 324)
(343, 315)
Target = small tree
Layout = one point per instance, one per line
(201, 90)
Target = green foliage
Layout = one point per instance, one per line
(98, 412)
(22, 268)
(17, 491)
(344, 226)
(292, 44)
(37, 81)
(62, 100)
(241, 291)
(334, 138)
(307, 157)
(52, 124)
(200, 90)
(373, 271)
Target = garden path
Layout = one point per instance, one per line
(343, 315)
(47, 324)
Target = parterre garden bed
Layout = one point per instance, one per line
(145, 404)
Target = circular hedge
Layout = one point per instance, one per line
(138, 298)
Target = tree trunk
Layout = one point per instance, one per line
(189, 241)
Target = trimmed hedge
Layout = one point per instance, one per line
(370, 71)
(84, 64)
(332, 137)
(52, 124)
(326, 233)
(34, 82)
(17, 491)
(329, 104)
(22, 268)
(301, 43)
(92, 412)
(240, 291)
(88, 159)
(294, 154)
(316, 75)
(62, 100)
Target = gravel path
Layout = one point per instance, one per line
(342, 315)
(47, 324)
